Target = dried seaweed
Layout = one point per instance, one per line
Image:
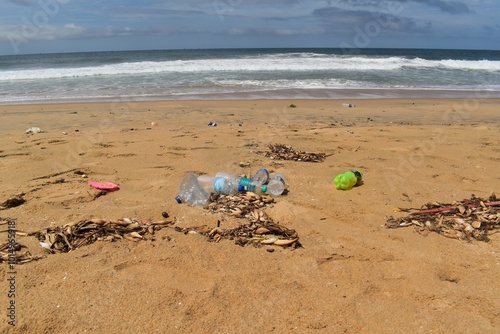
(10, 251)
(239, 205)
(286, 152)
(468, 219)
(259, 230)
(85, 232)
(12, 202)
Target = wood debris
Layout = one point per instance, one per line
(259, 230)
(468, 219)
(85, 232)
(286, 152)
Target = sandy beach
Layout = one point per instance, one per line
(352, 275)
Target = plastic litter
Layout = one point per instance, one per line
(276, 185)
(34, 130)
(191, 192)
(348, 180)
(104, 185)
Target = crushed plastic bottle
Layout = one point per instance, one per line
(348, 180)
(261, 176)
(191, 192)
(219, 185)
(276, 185)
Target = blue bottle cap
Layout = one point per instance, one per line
(241, 188)
(178, 199)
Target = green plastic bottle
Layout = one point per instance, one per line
(348, 180)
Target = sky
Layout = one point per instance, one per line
(46, 26)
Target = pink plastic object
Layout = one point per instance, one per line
(104, 185)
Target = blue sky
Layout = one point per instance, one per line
(40, 26)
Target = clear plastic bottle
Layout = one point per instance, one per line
(191, 192)
(255, 187)
(276, 185)
(219, 185)
(261, 176)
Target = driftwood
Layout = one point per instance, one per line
(468, 219)
(286, 152)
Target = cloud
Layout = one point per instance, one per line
(450, 7)
(26, 3)
(345, 20)
(48, 32)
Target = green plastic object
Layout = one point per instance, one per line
(348, 180)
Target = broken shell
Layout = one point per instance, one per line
(98, 221)
(269, 241)
(236, 212)
(476, 224)
(129, 238)
(261, 230)
(127, 220)
(46, 245)
(135, 235)
(468, 228)
(285, 242)
(133, 226)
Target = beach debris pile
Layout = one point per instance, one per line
(11, 250)
(468, 219)
(286, 152)
(85, 232)
(259, 230)
(241, 205)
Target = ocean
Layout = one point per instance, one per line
(248, 74)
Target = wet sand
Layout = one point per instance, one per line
(353, 275)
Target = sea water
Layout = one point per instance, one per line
(248, 74)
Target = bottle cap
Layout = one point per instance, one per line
(359, 176)
(241, 188)
(178, 199)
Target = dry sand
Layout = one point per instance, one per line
(353, 275)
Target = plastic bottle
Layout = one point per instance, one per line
(348, 180)
(191, 192)
(276, 185)
(254, 186)
(261, 176)
(219, 185)
(239, 182)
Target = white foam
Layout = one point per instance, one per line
(300, 62)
